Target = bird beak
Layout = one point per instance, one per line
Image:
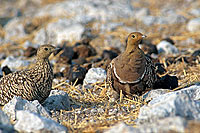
(56, 49)
(144, 36)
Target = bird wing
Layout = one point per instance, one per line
(129, 68)
(10, 86)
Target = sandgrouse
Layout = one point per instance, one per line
(131, 71)
(31, 84)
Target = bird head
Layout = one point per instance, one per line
(45, 51)
(134, 40)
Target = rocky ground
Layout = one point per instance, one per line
(90, 33)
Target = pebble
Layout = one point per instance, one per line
(75, 72)
(57, 100)
(95, 75)
(166, 48)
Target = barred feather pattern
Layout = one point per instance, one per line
(32, 84)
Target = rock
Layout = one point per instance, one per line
(14, 29)
(192, 127)
(5, 125)
(154, 93)
(57, 32)
(166, 48)
(6, 70)
(76, 72)
(148, 48)
(30, 51)
(109, 54)
(172, 18)
(27, 44)
(14, 63)
(83, 51)
(17, 103)
(66, 56)
(57, 100)
(193, 25)
(160, 68)
(141, 13)
(94, 75)
(169, 124)
(41, 37)
(79, 61)
(32, 122)
(166, 82)
(121, 128)
(171, 105)
(113, 42)
(196, 53)
(92, 10)
(195, 12)
(107, 27)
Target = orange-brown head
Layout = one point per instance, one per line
(134, 40)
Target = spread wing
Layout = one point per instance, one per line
(129, 68)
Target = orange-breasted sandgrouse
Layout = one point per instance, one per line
(31, 84)
(131, 71)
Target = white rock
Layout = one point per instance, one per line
(5, 125)
(109, 26)
(195, 12)
(141, 13)
(166, 48)
(121, 128)
(27, 44)
(181, 103)
(56, 32)
(14, 63)
(194, 25)
(94, 75)
(154, 93)
(31, 122)
(57, 100)
(14, 29)
(4, 119)
(41, 37)
(89, 10)
(17, 103)
(165, 125)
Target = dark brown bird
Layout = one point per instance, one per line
(31, 84)
(131, 71)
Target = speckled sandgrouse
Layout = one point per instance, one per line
(31, 84)
(131, 71)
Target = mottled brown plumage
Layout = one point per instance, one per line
(132, 71)
(32, 84)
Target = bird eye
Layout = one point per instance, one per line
(133, 36)
(46, 49)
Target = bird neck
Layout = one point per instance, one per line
(131, 49)
(42, 61)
